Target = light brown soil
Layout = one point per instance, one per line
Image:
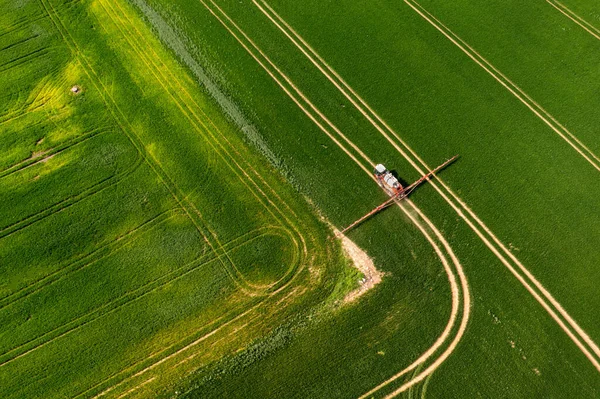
(364, 264)
(37, 154)
(46, 159)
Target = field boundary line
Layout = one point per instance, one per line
(494, 250)
(455, 291)
(232, 147)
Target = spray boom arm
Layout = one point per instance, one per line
(401, 194)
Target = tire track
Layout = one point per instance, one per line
(99, 253)
(131, 296)
(159, 74)
(51, 151)
(588, 27)
(108, 99)
(12, 116)
(279, 78)
(164, 357)
(23, 59)
(190, 99)
(71, 200)
(104, 310)
(130, 133)
(515, 90)
(18, 42)
(459, 294)
(522, 274)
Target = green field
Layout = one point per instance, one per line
(166, 230)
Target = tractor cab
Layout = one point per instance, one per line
(387, 180)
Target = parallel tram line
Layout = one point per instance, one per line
(23, 59)
(491, 241)
(544, 293)
(125, 127)
(573, 16)
(159, 74)
(125, 299)
(84, 261)
(515, 90)
(71, 200)
(18, 42)
(460, 294)
(118, 116)
(162, 357)
(293, 92)
(51, 151)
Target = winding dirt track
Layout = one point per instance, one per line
(427, 228)
(587, 346)
(463, 295)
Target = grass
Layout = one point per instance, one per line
(441, 103)
(136, 223)
(172, 256)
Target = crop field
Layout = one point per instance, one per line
(171, 173)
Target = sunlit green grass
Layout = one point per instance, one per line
(137, 229)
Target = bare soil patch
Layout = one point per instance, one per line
(364, 264)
